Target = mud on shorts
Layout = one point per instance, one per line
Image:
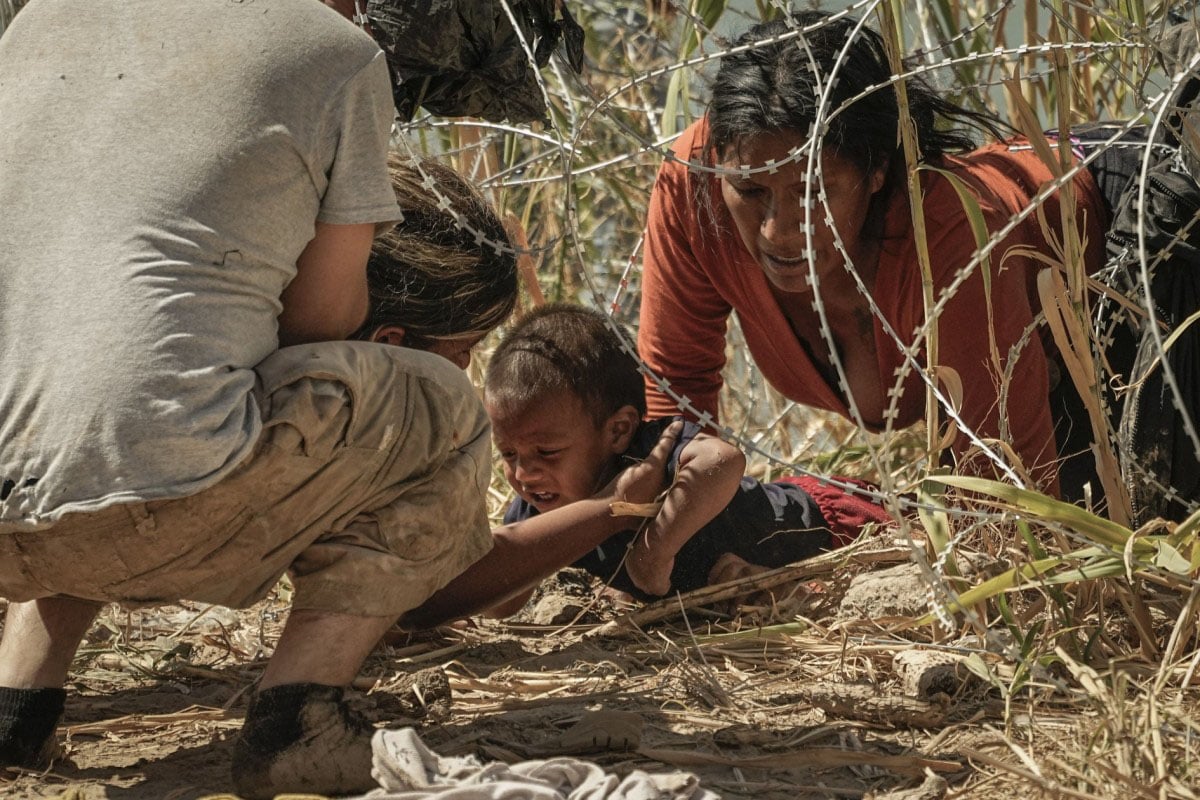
(367, 485)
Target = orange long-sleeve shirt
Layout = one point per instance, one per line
(696, 271)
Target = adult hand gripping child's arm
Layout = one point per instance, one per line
(529, 551)
(705, 482)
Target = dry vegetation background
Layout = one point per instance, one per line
(1001, 648)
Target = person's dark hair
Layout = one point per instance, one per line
(561, 347)
(448, 269)
(775, 87)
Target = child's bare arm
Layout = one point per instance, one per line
(707, 479)
(525, 552)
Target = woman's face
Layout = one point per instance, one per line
(768, 207)
(456, 349)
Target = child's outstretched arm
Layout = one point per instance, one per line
(707, 479)
(526, 552)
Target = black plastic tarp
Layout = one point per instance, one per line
(460, 58)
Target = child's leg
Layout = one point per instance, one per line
(845, 514)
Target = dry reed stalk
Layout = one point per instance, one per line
(1182, 631)
(140, 722)
(1114, 785)
(517, 685)
(890, 23)
(437, 654)
(541, 702)
(8, 10)
(752, 788)
(526, 266)
(868, 704)
(823, 564)
(814, 757)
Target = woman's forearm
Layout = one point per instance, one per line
(528, 551)
(524, 554)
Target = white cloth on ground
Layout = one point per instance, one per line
(407, 769)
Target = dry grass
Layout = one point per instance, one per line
(785, 693)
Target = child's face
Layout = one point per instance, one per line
(553, 451)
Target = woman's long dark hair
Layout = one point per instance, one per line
(775, 87)
(448, 269)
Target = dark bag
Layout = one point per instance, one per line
(1157, 429)
(464, 58)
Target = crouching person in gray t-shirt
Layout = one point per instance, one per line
(187, 187)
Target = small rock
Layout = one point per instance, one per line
(925, 673)
(602, 731)
(555, 610)
(899, 591)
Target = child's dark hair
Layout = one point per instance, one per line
(560, 347)
(439, 272)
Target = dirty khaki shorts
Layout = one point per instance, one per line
(367, 485)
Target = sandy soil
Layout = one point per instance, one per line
(773, 697)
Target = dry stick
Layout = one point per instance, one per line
(821, 757)
(525, 264)
(1063, 301)
(1071, 339)
(867, 704)
(1073, 254)
(1045, 784)
(139, 722)
(1154, 723)
(1085, 97)
(517, 685)
(368, 682)
(488, 166)
(1139, 614)
(542, 702)
(1032, 34)
(1180, 633)
(197, 671)
(1113, 777)
(889, 23)
(818, 565)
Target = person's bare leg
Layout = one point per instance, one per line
(322, 647)
(299, 735)
(39, 643)
(40, 640)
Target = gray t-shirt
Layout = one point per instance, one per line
(161, 168)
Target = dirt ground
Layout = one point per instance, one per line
(789, 692)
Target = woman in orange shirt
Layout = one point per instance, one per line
(835, 319)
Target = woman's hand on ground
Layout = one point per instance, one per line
(730, 567)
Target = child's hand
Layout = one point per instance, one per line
(648, 570)
(642, 482)
(730, 567)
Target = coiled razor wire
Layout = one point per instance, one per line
(610, 133)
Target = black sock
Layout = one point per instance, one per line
(273, 718)
(28, 718)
